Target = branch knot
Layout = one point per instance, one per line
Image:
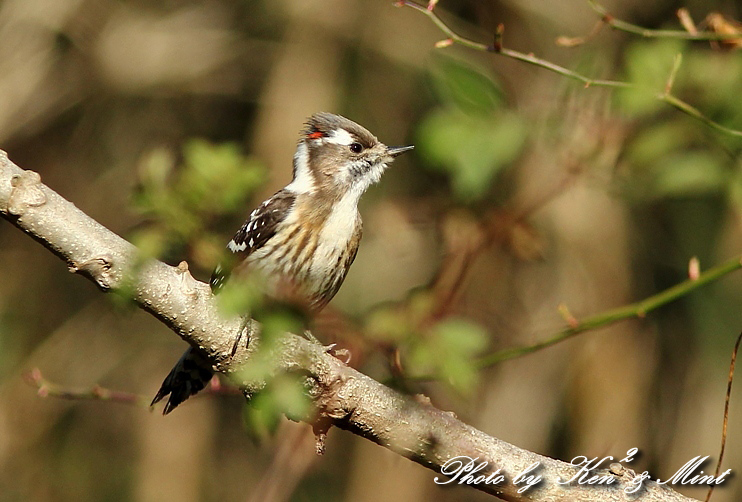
(26, 192)
(98, 268)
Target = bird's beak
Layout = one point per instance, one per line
(394, 151)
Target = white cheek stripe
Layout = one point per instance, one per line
(340, 137)
(303, 181)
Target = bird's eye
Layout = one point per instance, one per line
(356, 147)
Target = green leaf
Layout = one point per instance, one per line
(284, 395)
(155, 169)
(648, 67)
(181, 201)
(725, 68)
(151, 241)
(239, 297)
(387, 324)
(471, 149)
(278, 319)
(462, 336)
(466, 87)
(690, 173)
(218, 177)
(448, 351)
(656, 142)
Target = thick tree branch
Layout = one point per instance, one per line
(343, 396)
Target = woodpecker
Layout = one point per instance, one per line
(306, 234)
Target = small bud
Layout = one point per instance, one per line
(694, 269)
(444, 43)
(431, 5)
(571, 320)
(687, 21)
(36, 375)
(570, 41)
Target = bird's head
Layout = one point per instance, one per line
(337, 155)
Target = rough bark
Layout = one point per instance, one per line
(344, 397)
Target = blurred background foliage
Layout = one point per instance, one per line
(168, 122)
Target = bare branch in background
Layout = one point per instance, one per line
(46, 388)
(634, 310)
(498, 48)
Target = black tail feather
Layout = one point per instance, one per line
(188, 377)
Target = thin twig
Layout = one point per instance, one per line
(575, 41)
(726, 415)
(498, 48)
(45, 388)
(589, 82)
(617, 24)
(444, 27)
(639, 309)
(696, 113)
(520, 56)
(673, 73)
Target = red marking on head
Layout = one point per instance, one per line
(316, 135)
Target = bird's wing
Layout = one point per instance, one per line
(260, 226)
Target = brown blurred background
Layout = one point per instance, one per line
(618, 193)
